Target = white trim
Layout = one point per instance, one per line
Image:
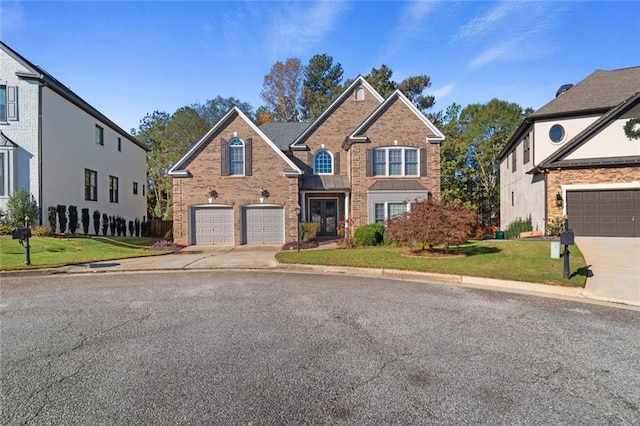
(594, 187)
(332, 163)
(360, 80)
(177, 170)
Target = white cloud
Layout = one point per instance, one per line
(486, 24)
(497, 52)
(295, 27)
(443, 91)
(410, 27)
(12, 19)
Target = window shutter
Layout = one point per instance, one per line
(336, 163)
(423, 161)
(369, 156)
(12, 103)
(224, 162)
(248, 157)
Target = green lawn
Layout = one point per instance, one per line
(502, 259)
(49, 252)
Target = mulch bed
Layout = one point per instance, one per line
(432, 254)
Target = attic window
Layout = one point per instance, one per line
(556, 133)
(359, 94)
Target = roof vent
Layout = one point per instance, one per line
(563, 89)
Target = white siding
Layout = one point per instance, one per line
(610, 142)
(521, 194)
(69, 147)
(543, 145)
(24, 131)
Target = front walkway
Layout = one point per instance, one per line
(615, 268)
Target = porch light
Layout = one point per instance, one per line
(559, 200)
(264, 193)
(211, 195)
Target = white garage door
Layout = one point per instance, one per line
(212, 226)
(263, 225)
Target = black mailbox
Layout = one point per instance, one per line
(21, 233)
(567, 237)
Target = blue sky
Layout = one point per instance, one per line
(131, 58)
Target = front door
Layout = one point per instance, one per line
(324, 213)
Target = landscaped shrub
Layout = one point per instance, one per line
(52, 215)
(144, 228)
(20, 205)
(166, 245)
(112, 225)
(40, 231)
(517, 226)
(137, 226)
(62, 217)
(73, 219)
(85, 220)
(432, 223)
(105, 223)
(122, 227)
(370, 235)
(96, 222)
(309, 231)
(5, 228)
(555, 226)
(131, 228)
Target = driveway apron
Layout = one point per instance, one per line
(615, 268)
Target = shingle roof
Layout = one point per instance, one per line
(283, 134)
(599, 91)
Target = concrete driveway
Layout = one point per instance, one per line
(193, 257)
(615, 268)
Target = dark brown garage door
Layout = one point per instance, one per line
(604, 213)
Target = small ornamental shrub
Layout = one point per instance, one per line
(105, 223)
(73, 219)
(164, 245)
(85, 221)
(40, 231)
(517, 226)
(131, 228)
(370, 235)
(96, 222)
(137, 226)
(52, 212)
(112, 225)
(555, 226)
(432, 223)
(144, 229)
(62, 217)
(293, 245)
(19, 205)
(5, 228)
(309, 231)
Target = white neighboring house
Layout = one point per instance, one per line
(62, 150)
(572, 157)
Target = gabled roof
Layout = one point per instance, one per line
(596, 94)
(39, 74)
(359, 135)
(556, 159)
(600, 91)
(359, 81)
(180, 168)
(5, 141)
(283, 134)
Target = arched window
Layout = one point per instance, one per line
(236, 157)
(323, 163)
(359, 94)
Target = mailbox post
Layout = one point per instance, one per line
(568, 239)
(23, 235)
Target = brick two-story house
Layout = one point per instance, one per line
(362, 161)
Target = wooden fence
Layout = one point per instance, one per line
(161, 228)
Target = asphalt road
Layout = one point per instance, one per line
(265, 348)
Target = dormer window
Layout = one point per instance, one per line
(359, 95)
(323, 163)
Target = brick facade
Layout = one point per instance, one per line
(610, 175)
(237, 191)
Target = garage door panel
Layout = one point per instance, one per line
(212, 226)
(604, 213)
(263, 225)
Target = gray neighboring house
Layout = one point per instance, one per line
(572, 157)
